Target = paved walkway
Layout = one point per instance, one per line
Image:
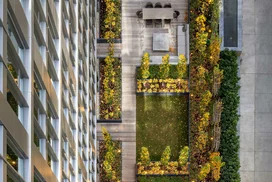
(135, 41)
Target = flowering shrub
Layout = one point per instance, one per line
(160, 85)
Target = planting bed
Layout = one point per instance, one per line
(117, 166)
(110, 108)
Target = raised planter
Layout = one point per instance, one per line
(102, 14)
(117, 166)
(159, 86)
(118, 100)
(171, 169)
(162, 86)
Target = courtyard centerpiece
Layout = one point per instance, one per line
(162, 119)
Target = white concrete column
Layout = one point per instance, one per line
(3, 152)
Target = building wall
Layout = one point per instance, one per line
(256, 92)
(48, 65)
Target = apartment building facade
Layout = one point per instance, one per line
(48, 90)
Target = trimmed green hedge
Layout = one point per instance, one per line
(229, 93)
(154, 71)
(163, 179)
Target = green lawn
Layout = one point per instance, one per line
(162, 120)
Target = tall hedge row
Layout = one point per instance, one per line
(229, 93)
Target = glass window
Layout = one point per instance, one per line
(14, 36)
(49, 160)
(9, 179)
(13, 72)
(12, 158)
(12, 102)
(36, 140)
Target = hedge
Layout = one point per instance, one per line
(155, 70)
(229, 145)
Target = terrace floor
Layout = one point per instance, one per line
(136, 39)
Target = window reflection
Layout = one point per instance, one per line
(230, 23)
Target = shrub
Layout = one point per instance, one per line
(183, 157)
(216, 164)
(106, 137)
(110, 158)
(145, 66)
(229, 93)
(204, 171)
(166, 156)
(165, 67)
(145, 160)
(182, 66)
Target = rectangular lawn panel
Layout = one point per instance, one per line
(162, 120)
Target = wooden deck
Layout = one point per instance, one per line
(136, 39)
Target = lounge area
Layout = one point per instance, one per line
(157, 15)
